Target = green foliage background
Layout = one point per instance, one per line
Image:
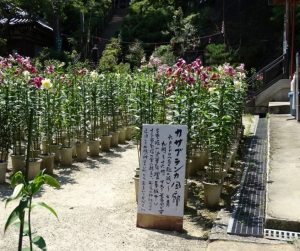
(253, 29)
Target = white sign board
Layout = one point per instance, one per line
(162, 174)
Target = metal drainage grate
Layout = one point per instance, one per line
(281, 235)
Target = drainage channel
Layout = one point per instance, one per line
(248, 216)
(281, 235)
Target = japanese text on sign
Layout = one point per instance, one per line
(162, 175)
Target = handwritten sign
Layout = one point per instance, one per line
(162, 174)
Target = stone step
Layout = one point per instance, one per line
(279, 107)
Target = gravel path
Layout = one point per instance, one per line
(97, 210)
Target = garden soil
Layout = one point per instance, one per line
(97, 210)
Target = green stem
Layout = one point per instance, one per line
(28, 144)
(21, 231)
(29, 224)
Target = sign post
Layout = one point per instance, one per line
(162, 177)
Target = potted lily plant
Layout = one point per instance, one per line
(47, 126)
(94, 142)
(18, 99)
(82, 105)
(68, 118)
(104, 114)
(5, 133)
(112, 103)
(221, 130)
(121, 95)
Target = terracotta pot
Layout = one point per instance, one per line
(34, 168)
(136, 186)
(105, 143)
(47, 163)
(122, 136)
(3, 167)
(56, 150)
(114, 139)
(128, 133)
(94, 147)
(212, 194)
(18, 163)
(81, 149)
(66, 158)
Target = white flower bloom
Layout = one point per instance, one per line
(238, 84)
(46, 84)
(26, 74)
(94, 75)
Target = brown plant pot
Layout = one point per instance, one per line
(81, 149)
(66, 158)
(3, 167)
(114, 139)
(105, 143)
(212, 194)
(94, 147)
(122, 136)
(34, 168)
(128, 133)
(47, 163)
(18, 163)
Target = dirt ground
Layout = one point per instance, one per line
(97, 211)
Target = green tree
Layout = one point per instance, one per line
(216, 54)
(165, 54)
(135, 54)
(110, 56)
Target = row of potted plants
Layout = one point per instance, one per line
(209, 100)
(72, 109)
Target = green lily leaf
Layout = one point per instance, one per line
(15, 214)
(17, 178)
(43, 204)
(17, 192)
(40, 242)
(51, 181)
(25, 228)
